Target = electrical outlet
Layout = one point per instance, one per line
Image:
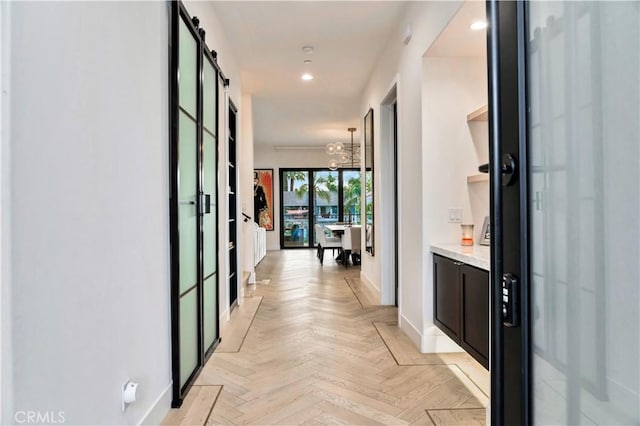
(455, 215)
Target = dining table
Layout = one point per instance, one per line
(339, 229)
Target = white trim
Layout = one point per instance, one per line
(371, 285)
(400, 200)
(224, 319)
(299, 147)
(387, 219)
(158, 411)
(435, 341)
(410, 330)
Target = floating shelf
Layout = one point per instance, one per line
(480, 177)
(481, 114)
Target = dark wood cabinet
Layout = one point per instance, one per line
(446, 279)
(461, 305)
(474, 333)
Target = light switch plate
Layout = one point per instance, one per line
(455, 215)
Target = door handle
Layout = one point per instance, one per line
(205, 204)
(508, 169)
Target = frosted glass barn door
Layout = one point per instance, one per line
(209, 199)
(583, 113)
(187, 203)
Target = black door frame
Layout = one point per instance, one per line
(178, 12)
(510, 345)
(396, 209)
(311, 204)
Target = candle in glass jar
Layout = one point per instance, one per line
(467, 235)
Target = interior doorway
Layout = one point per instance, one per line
(390, 188)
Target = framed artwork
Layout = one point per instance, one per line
(485, 235)
(263, 198)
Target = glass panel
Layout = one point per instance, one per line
(295, 201)
(209, 97)
(584, 94)
(187, 73)
(209, 220)
(325, 199)
(187, 218)
(210, 311)
(351, 196)
(188, 335)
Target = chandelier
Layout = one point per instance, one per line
(341, 155)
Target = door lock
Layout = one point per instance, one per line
(510, 298)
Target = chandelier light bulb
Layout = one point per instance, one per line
(333, 164)
(344, 158)
(330, 149)
(339, 147)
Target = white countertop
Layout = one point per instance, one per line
(478, 256)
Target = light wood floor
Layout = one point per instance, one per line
(309, 346)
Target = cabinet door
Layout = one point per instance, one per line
(446, 278)
(474, 335)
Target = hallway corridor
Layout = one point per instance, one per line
(308, 347)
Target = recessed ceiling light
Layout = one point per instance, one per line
(307, 49)
(478, 25)
(307, 61)
(307, 77)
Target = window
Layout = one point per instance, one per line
(335, 197)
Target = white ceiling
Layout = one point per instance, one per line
(267, 39)
(457, 39)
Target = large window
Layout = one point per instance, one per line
(330, 197)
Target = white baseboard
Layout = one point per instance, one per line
(158, 411)
(369, 283)
(625, 397)
(224, 319)
(435, 341)
(410, 330)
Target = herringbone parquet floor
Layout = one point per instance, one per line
(310, 348)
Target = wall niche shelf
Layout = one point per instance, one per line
(480, 177)
(481, 114)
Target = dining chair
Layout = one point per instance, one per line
(350, 243)
(325, 242)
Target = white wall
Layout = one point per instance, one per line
(89, 208)
(403, 64)
(6, 350)
(246, 183)
(452, 150)
(267, 157)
